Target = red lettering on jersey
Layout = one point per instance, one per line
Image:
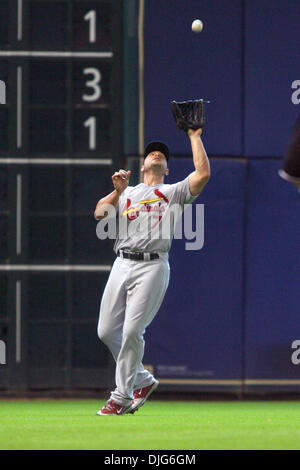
(130, 215)
(159, 194)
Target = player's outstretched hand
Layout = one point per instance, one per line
(120, 180)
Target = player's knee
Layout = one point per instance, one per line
(131, 334)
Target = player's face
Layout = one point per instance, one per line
(157, 161)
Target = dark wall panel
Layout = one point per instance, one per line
(182, 65)
(198, 330)
(272, 45)
(273, 273)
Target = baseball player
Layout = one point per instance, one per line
(140, 274)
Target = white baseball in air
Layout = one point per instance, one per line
(197, 26)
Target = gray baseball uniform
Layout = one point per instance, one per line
(135, 289)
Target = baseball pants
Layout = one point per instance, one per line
(132, 297)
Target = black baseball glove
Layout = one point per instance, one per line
(189, 114)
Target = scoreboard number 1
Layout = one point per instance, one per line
(91, 124)
(91, 17)
(2, 92)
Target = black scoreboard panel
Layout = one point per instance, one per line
(88, 23)
(4, 302)
(4, 29)
(4, 213)
(75, 115)
(62, 61)
(60, 141)
(60, 220)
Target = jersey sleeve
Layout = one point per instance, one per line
(182, 193)
(120, 204)
(122, 200)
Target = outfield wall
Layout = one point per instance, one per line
(245, 61)
(231, 312)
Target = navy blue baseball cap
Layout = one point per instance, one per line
(161, 146)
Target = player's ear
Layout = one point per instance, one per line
(167, 172)
(142, 168)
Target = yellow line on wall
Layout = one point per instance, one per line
(200, 382)
(229, 382)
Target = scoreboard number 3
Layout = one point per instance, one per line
(93, 84)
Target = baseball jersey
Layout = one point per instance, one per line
(147, 216)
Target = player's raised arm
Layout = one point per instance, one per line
(201, 175)
(190, 118)
(120, 181)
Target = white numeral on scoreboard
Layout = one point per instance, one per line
(93, 83)
(91, 124)
(91, 16)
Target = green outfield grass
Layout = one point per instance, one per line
(158, 425)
